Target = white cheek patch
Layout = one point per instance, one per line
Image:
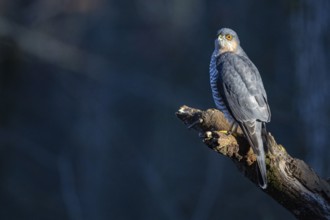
(227, 46)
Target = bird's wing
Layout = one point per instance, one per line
(242, 88)
(243, 91)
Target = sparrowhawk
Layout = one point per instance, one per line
(239, 93)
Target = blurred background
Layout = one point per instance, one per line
(89, 91)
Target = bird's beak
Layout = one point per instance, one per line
(220, 37)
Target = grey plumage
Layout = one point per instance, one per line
(239, 93)
(214, 77)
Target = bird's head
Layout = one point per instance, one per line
(227, 41)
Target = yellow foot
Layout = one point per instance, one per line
(228, 133)
(225, 132)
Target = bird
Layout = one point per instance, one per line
(239, 93)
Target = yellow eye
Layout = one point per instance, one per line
(229, 36)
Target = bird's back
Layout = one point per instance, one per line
(240, 84)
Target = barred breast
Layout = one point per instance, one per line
(214, 79)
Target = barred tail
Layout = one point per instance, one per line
(262, 174)
(253, 132)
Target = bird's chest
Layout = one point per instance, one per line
(217, 89)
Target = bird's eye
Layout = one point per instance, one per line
(229, 36)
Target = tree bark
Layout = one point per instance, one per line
(291, 182)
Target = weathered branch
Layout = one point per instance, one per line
(291, 182)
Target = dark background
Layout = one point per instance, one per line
(88, 92)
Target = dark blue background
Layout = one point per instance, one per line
(88, 92)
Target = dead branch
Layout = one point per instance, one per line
(291, 182)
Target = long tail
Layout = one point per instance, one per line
(253, 131)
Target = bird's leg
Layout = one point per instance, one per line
(235, 128)
(232, 130)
